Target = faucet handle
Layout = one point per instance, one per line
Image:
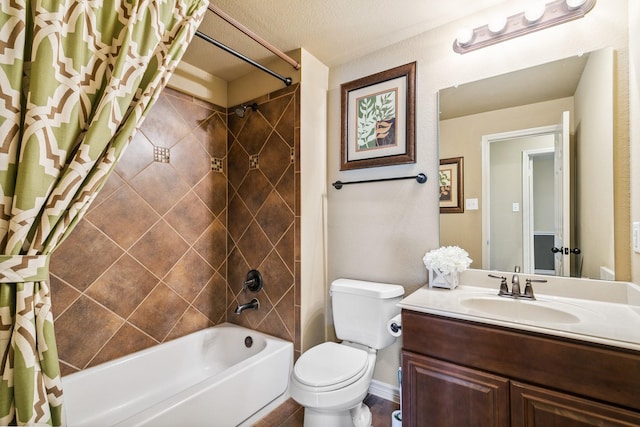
(528, 289)
(504, 289)
(516, 269)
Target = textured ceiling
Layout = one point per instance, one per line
(334, 31)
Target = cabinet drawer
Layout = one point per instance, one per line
(441, 394)
(536, 407)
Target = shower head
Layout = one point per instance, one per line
(240, 110)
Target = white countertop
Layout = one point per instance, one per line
(604, 322)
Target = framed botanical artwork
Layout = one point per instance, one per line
(378, 119)
(450, 178)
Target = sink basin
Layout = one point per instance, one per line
(519, 310)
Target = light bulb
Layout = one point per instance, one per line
(497, 24)
(574, 4)
(465, 35)
(534, 11)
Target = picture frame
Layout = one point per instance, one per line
(451, 182)
(378, 119)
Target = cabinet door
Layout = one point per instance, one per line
(537, 407)
(440, 394)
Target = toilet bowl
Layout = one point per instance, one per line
(331, 380)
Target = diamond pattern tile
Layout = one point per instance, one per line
(117, 211)
(159, 249)
(94, 326)
(123, 287)
(191, 160)
(274, 217)
(84, 256)
(212, 190)
(254, 245)
(210, 132)
(212, 245)
(164, 127)
(160, 186)
(238, 164)
(254, 190)
(189, 276)
(137, 156)
(158, 314)
(255, 132)
(193, 115)
(278, 279)
(128, 340)
(165, 248)
(275, 158)
(273, 110)
(190, 217)
(286, 125)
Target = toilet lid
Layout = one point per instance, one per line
(330, 364)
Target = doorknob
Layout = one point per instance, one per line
(566, 251)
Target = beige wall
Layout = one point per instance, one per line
(381, 231)
(313, 152)
(594, 161)
(634, 101)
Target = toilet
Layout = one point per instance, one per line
(331, 380)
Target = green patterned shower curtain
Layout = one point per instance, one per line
(76, 80)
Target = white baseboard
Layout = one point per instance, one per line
(384, 390)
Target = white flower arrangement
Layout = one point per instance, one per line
(447, 259)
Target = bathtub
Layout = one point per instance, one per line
(220, 376)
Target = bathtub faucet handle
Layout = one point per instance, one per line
(253, 282)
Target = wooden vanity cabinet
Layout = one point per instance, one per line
(458, 373)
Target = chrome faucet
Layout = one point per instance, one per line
(254, 304)
(515, 282)
(515, 286)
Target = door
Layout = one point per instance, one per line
(562, 239)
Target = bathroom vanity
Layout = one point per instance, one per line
(471, 358)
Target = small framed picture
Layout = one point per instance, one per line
(451, 179)
(378, 119)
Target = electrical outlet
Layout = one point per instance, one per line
(636, 236)
(471, 204)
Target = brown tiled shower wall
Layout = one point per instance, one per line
(198, 199)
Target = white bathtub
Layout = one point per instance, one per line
(208, 378)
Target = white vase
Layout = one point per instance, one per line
(438, 279)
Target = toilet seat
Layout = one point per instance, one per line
(330, 366)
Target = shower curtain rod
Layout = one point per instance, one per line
(254, 36)
(286, 80)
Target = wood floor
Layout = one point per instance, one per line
(290, 414)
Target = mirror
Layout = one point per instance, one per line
(503, 110)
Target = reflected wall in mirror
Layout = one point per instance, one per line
(476, 115)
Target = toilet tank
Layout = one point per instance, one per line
(362, 309)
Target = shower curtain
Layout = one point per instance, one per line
(76, 80)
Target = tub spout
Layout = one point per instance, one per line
(253, 304)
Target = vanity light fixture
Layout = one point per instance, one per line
(537, 17)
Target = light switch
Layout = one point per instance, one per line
(516, 207)
(636, 236)
(471, 204)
